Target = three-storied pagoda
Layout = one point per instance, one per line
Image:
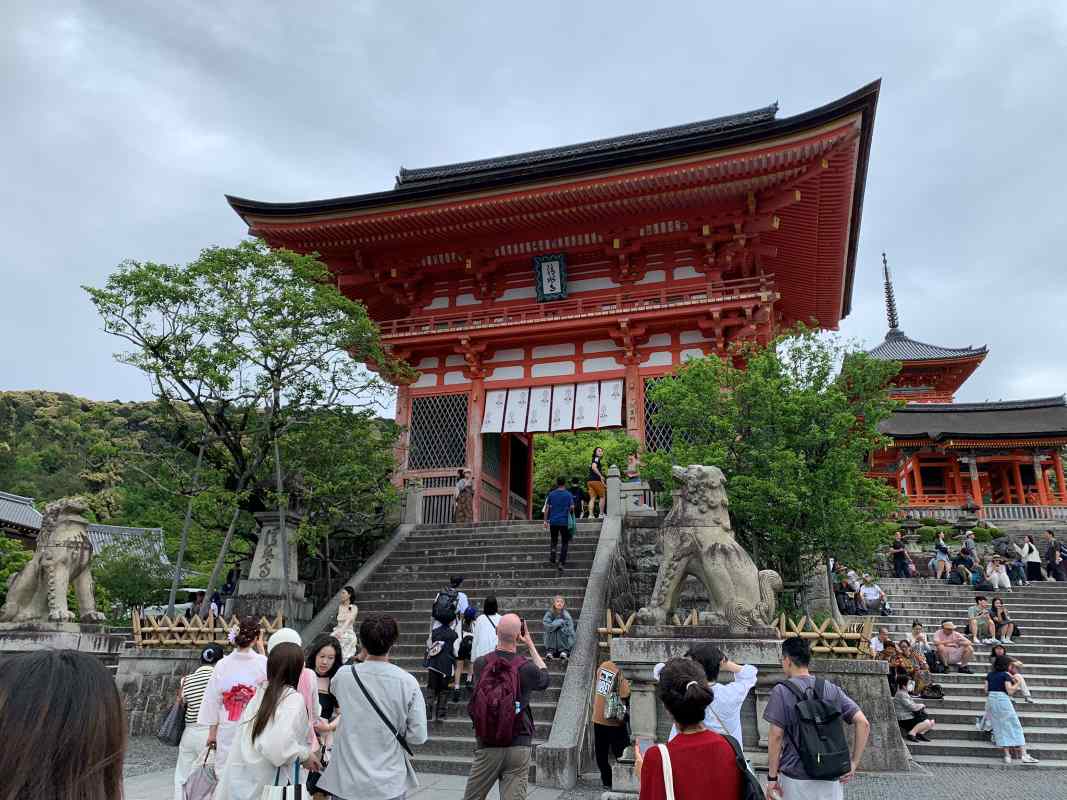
(1003, 457)
(542, 291)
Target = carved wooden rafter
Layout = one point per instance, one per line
(627, 257)
(474, 357)
(629, 337)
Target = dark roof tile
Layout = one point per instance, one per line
(898, 347)
(1045, 416)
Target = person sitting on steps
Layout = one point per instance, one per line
(872, 599)
(559, 629)
(1015, 669)
(979, 622)
(953, 647)
(911, 716)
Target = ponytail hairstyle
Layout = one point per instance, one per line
(684, 690)
(284, 665)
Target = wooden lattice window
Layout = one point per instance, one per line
(438, 436)
(657, 435)
(491, 461)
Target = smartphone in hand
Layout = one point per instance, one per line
(522, 630)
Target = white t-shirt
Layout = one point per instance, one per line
(876, 645)
(727, 702)
(871, 592)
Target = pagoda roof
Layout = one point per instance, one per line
(1014, 419)
(573, 154)
(897, 346)
(18, 512)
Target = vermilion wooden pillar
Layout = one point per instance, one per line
(1057, 463)
(403, 422)
(529, 477)
(1039, 479)
(1018, 476)
(917, 475)
(635, 402)
(956, 479)
(1005, 484)
(475, 409)
(976, 485)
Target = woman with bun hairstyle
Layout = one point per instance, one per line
(194, 738)
(701, 763)
(231, 687)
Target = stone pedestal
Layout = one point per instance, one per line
(98, 640)
(262, 593)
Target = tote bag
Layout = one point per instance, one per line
(173, 725)
(200, 785)
(294, 791)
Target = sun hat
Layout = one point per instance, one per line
(283, 635)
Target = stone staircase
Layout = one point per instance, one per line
(505, 559)
(1041, 611)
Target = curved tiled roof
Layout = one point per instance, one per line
(408, 177)
(19, 511)
(1043, 416)
(898, 347)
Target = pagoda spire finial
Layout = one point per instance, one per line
(890, 300)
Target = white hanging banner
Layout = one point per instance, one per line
(562, 407)
(586, 405)
(493, 419)
(610, 404)
(540, 414)
(515, 416)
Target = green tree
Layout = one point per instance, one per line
(568, 455)
(13, 557)
(791, 425)
(129, 578)
(252, 339)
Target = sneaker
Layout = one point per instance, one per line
(603, 516)
(563, 654)
(1007, 759)
(561, 566)
(995, 641)
(1029, 759)
(549, 656)
(922, 737)
(965, 670)
(1029, 699)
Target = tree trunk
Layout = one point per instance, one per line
(283, 529)
(223, 552)
(185, 531)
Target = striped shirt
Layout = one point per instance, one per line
(193, 691)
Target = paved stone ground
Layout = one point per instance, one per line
(150, 765)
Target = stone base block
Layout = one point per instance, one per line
(266, 598)
(148, 680)
(17, 637)
(714, 633)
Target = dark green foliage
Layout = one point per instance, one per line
(13, 556)
(569, 455)
(792, 431)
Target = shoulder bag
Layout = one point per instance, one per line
(173, 725)
(294, 791)
(668, 776)
(400, 738)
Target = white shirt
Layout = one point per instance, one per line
(727, 702)
(853, 579)
(871, 592)
(253, 765)
(484, 635)
(876, 645)
(249, 668)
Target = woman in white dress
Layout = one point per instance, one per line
(485, 629)
(344, 631)
(232, 685)
(194, 738)
(273, 732)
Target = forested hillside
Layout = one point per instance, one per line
(134, 462)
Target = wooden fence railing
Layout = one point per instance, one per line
(828, 638)
(162, 631)
(615, 626)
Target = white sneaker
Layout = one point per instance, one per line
(994, 641)
(1029, 759)
(1007, 759)
(603, 516)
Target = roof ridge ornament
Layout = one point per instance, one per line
(890, 299)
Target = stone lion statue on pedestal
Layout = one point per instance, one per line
(38, 592)
(698, 540)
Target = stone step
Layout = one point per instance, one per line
(1035, 675)
(488, 571)
(456, 734)
(517, 552)
(1039, 689)
(1028, 714)
(542, 705)
(962, 732)
(502, 525)
(454, 765)
(955, 748)
(984, 762)
(976, 703)
(567, 580)
(518, 598)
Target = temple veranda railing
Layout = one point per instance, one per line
(620, 302)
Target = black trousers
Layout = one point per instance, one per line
(900, 569)
(608, 740)
(1033, 571)
(557, 531)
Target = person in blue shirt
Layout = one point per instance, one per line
(559, 505)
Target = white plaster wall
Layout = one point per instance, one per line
(467, 300)
(429, 363)
(454, 361)
(600, 364)
(591, 284)
(658, 340)
(454, 377)
(600, 346)
(685, 272)
(692, 337)
(551, 369)
(519, 293)
(513, 354)
(659, 359)
(692, 352)
(653, 276)
(552, 350)
(506, 373)
(438, 302)
(426, 379)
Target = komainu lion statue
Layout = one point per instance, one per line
(698, 540)
(38, 592)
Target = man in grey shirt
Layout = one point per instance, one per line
(368, 761)
(786, 778)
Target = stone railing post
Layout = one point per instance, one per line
(615, 508)
(413, 503)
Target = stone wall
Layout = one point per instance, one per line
(148, 683)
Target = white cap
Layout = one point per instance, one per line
(284, 635)
(656, 670)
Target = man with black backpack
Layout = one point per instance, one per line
(500, 711)
(449, 605)
(807, 751)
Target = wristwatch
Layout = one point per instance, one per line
(772, 779)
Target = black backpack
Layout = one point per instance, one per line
(445, 605)
(955, 579)
(750, 785)
(820, 734)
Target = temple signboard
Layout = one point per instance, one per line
(550, 277)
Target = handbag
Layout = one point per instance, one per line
(201, 783)
(668, 776)
(400, 738)
(293, 791)
(173, 725)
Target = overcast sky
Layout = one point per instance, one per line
(124, 123)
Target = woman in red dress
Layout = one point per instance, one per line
(702, 763)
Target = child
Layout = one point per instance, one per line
(465, 664)
(441, 662)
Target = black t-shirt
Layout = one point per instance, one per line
(531, 679)
(996, 681)
(444, 659)
(899, 551)
(579, 494)
(595, 463)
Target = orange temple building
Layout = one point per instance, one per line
(542, 291)
(1003, 458)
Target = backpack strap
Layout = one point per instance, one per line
(800, 696)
